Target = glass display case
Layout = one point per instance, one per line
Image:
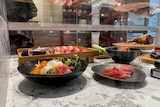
(32, 23)
(80, 22)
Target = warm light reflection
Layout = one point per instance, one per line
(51, 31)
(67, 31)
(119, 4)
(102, 14)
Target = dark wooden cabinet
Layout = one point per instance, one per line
(59, 38)
(108, 38)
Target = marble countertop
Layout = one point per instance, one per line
(89, 90)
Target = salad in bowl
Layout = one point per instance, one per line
(53, 71)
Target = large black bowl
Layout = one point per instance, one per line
(124, 57)
(25, 68)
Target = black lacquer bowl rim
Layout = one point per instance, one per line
(42, 78)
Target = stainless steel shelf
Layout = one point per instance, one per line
(74, 27)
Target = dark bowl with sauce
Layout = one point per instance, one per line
(54, 80)
(124, 57)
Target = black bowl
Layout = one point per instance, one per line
(25, 68)
(124, 57)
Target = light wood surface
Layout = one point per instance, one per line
(135, 45)
(147, 59)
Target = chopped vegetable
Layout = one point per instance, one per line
(38, 68)
(57, 67)
(101, 49)
(123, 48)
(62, 69)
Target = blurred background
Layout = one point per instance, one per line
(109, 21)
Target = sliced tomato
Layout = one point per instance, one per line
(64, 47)
(127, 68)
(62, 69)
(67, 51)
(111, 73)
(115, 68)
(122, 72)
(70, 48)
(75, 49)
(123, 49)
(57, 49)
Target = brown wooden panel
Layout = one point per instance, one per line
(47, 39)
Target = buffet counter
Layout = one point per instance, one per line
(89, 90)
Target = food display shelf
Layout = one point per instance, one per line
(89, 54)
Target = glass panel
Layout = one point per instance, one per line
(112, 12)
(121, 20)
